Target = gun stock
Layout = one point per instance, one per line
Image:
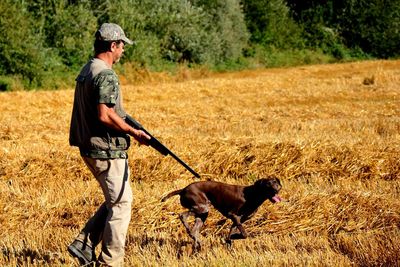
(157, 145)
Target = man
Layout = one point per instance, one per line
(99, 130)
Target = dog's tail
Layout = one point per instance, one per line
(173, 193)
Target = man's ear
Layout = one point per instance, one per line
(113, 46)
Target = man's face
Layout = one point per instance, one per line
(117, 51)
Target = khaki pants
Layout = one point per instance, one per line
(110, 223)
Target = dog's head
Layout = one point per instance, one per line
(271, 187)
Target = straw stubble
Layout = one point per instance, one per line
(332, 138)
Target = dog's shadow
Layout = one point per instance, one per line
(183, 248)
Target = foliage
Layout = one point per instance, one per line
(373, 26)
(336, 26)
(231, 33)
(271, 24)
(318, 21)
(8, 83)
(70, 31)
(42, 41)
(46, 38)
(21, 50)
(164, 30)
(182, 31)
(273, 57)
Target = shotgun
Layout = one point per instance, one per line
(157, 145)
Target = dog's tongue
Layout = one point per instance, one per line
(276, 199)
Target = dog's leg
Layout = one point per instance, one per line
(183, 217)
(198, 223)
(232, 232)
(237, 230)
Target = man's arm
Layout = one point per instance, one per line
(111, 119)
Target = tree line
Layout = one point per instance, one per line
(43, 42)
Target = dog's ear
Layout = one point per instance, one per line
(268, 182)
(262, 182)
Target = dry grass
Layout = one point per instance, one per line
(331, 132)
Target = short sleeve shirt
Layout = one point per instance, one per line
(107, 83)
(108, 90)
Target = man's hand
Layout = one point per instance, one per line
(141, 137)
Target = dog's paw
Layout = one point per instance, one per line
(196, 246)
(185, 250)
(237, 236)
(221, 222)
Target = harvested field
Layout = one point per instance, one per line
(330, 132)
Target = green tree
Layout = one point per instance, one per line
(181, 30)
(68, 28)
(72, 30)
(319, 19)
(228, 27)
(21, 50)
(163, 30)
(270, 24)
(372, 25)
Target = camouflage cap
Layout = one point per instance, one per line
(112, 32)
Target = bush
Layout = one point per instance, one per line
(44, 39)
(21, 50)
(44, 43)
(5, 83)
(271, 25)
(227, 29)
(369, 25)
(373, 26)
(273, 57)
(70, 30)
(181, 31)
(10, 83)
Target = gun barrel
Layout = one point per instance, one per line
(158, 145)
(184, 164)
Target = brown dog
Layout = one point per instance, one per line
(236, 202)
